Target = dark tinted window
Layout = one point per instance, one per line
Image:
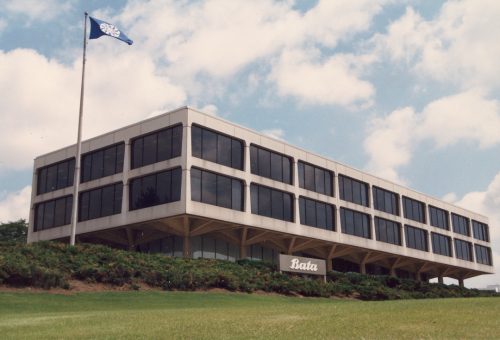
(483, 254)
(352, 190)
(157, 146)
(480, 231)
(53, 213)
(355, 223)
(215, 189)
(271, 202)
(416, 238)
(103, 162)
(270, 164)
(387, 231)
(315, 178)
(316, 214)
(385, 200)
(216, 147)
(438, 217)
(413, 209)
(441, 244)
(463, 250)
(100, 202)
(56, 176)
(460, 224)
(159, 188)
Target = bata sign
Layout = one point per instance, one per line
(304, 265)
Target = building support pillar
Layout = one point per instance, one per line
(243, 247)
(186, 244)
(461, 282)
(440, 279)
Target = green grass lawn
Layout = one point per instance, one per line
(156, 315)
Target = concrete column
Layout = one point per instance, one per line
(126, 169)
(440, 279)
(296, 208)
(461, 282)
(419, 276)
(186, 247)
(186, 164)
(247, 194)
(329, 265)
(295, 183)
(393, 272)
(362, 267)
(243, 247)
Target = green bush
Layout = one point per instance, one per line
(50, 264)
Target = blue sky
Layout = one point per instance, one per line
(407, 90)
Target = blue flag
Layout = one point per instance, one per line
(99, 28)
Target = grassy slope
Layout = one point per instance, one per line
(225, 315)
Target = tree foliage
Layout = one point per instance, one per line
(16, 231)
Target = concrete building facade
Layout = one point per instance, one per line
(190, 184)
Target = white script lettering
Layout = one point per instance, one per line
(296, 264)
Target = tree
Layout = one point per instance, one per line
(16, 231)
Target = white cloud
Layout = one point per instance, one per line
(467, 116)
(215, 39)
(333, 81)
(35, 9)
(40, 98)
(487, 203)
(15, 205)
(211, 109)
(278, 134)
(389, 143)
(459, 46)
(3, 25)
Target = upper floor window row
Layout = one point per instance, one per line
(441, 244)
(158, 188)
(103, 162)
(157, 146)
(270, 164)
(438, 218)
(416, 238)
(211, 188)
(315, 178)
(216, 147)
(480, 231)
(463, 250)
(355, 223)
(271, 202)
(316, 214)
(413, 209)
(53, 213)
(387, 231)
(483, 255)
(100, 202)
(354, 191)
(460, 224)
(385, 200)
(55, 176)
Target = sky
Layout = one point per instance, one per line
(406, 90)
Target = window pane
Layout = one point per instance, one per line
(84, 206)
(42, 181)
(209, 188)
(95, 204)
(254, 160)
(265, 201)
(108, 196)
(237, 195)
(310, 213)
(48, 215)
(164, 145)
(176, 184)
(62, 175)
(224, 192)
(209, 147)
(288, 207)
(86, 168)
(109, 161)
(264, 163)
(118, 198)
(164, 189)
(135, 194)
(321, 215)
(287, 170)
(309, 177)
(176, 141)
(277, 204)
(52, 178)
(301, 174)
(319, 178)
(237, 154)
(224, 150)
(60, 212)
(302, 210)
(254, 195)
(120, 155)
(196, 141)
(137, 153)
(276, 167)
(328, 184)
(150, 149)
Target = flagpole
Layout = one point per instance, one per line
(76, 180)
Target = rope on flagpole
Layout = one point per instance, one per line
(76, 180)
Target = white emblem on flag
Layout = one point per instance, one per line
(109, 30)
